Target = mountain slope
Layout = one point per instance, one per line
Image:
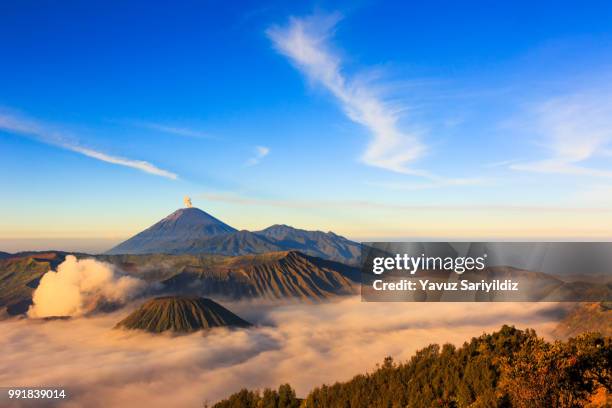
(276, 238)
(585, 317)
(316, 243)
(276, 275)
(234, 244)
(19, 276)
(180, 314)
(175, 231)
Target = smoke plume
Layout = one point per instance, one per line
(187, 201)
(79, 286)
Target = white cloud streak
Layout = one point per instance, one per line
(174, 130)
(305, 42)
(135, 164)
(260, 153)
(34, 130)
(576, 129)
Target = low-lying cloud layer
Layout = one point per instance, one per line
(79, 286)
(305, 345)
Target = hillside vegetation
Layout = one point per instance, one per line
(509, 368)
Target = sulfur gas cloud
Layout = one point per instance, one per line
(79, 286)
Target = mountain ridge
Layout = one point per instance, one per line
(193, 231)
(273, 275)
(291, 274)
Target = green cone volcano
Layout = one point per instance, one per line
(180, 314)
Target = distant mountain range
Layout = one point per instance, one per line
(193, 231)
(274, 275)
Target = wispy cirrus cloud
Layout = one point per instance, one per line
(575, 129)
(26, 127)
(260, 153)
(305, 42)
(174, 130)
(121, 161)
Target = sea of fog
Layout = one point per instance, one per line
(303, 344)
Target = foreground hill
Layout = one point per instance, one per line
(182, 314)
(509, 368)
(193, 231)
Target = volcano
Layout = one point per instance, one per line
(177, 230)
(274, 275)
(195, 232)
(182, 314)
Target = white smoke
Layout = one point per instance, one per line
(79, 286)
(187, 201)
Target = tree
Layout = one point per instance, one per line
(558, 374)
(508, 368)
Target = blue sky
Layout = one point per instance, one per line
(372, 119)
